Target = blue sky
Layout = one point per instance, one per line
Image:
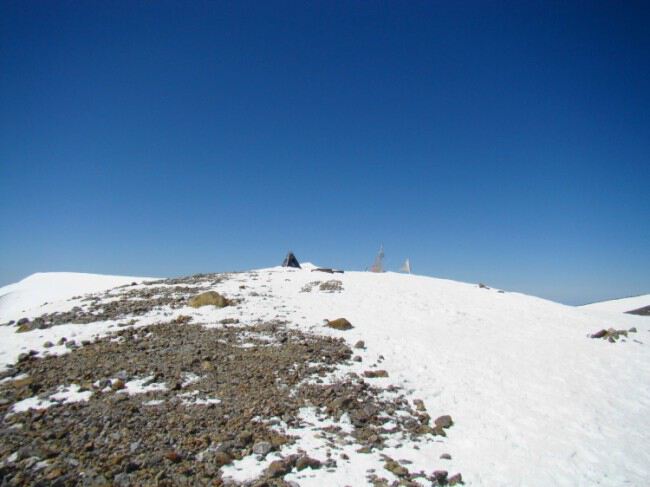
(501, 142)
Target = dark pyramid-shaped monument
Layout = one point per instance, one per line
(291, 261)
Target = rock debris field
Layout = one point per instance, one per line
(310, 377)
(177, 400)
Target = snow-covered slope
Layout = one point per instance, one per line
(27, 297)
(620, 305)
(535, 400)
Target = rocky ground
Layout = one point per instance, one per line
(176, 402)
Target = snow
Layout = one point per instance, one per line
(71, 394)
(27, 297)
(535, 401)
(620, 305)
(142, 386)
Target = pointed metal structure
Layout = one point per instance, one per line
(378, 266)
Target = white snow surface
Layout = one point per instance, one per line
(620, 305)
(535, 401)
(26, 298)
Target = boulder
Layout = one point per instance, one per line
(208, 298)
(340, 324)
(444, 421)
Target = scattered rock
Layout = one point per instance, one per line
(445, 456)
(419, 405)
(610, 334)
(395, 468)
(48, 344)
(208, 298)
(456, 479)
(439, 476)
(262, 448)
(173, 456)
(332, 286)
(305, 461)
(373, 374)
(278, 468)
(182, 319)
(222, 458)
(229, 321)
(360, 344)
(444, 421)
(340, 324)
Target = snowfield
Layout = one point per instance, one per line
(620, 305)
(535, 401)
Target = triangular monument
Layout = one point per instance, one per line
(291, 261)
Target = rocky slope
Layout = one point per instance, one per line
(294, 377)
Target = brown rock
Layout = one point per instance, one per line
(222, 458)
(340, 324)
(208, 298)
(118, 385)
(304, 461)
(440, 476)
(278, 468)
(396, 468)
(599, 334)
(444, 421)
(173, 456)
(455, 479)
(373, 374)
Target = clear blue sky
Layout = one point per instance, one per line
(507, 143)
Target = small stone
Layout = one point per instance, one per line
(121, 480)
(455, 479)
(419, 405)
(357, 358)
(632, 330)
(373, 374)
(340, 324)
(48, 344)
(360, 344)
(262, 448)
(278, 468)
(222, 458)
(395, 468)
(599, 334)
(304, 461)
(173, 456)
(445, 456)
(444, 421)
(118, 385)
(440, 476)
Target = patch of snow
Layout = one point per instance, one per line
(142, 386)
(70, 394)
(25, 298)
(31, 403)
